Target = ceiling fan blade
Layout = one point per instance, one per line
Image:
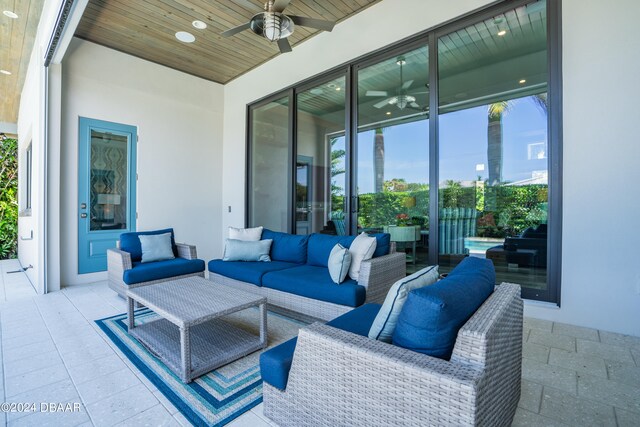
(284, 46)
(319, 24)
(414, 105)
(381, 103)
(376, 93)
(235, 30)
(420, 93)
(280, 5)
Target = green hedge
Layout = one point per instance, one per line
(502, 210)
(8, 198)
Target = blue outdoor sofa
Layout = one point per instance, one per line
(297, 278)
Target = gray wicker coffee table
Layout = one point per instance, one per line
(191, 338)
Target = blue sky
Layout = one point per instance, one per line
(463, 146)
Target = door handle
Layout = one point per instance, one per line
(83, 215)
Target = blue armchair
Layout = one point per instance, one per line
(126, 271)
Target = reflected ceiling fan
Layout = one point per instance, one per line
(402, 99)
(275, 26)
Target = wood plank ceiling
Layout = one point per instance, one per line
(16, 43)
(146, 29)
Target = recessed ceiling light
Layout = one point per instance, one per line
(316, 91)
(388, 113)
(331, 85)
(199, 25)
(337, 87)
(185, 37)
(8, 73)
(10, 14)
(502, 32)
(522, 81)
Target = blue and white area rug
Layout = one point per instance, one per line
(218, 397)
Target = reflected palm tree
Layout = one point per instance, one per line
(378, 160)
(496, 112)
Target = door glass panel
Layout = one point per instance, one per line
(108, 181)
(392, 153)
(269, 179)
(320, 175)
(493, 185)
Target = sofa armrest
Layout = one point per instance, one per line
(186, 251)
(378, 274)
(335, 371)
(118, 261)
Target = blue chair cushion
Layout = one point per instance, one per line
(431, 317)
(320, 246)
(130, 242)
(383, 244)
(315, 282)
(250, 272)
(275, 363)
(144, 272)
(287, 247)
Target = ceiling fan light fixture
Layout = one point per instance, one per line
(274, 26)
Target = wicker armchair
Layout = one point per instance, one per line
(119, 261)
(341, 379)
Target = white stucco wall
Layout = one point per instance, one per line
(600, 277)
(31, 130)
(179, 121)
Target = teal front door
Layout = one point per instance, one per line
(106, 189)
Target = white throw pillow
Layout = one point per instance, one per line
(339, 262)
(385, 322)
(246, 234)
(361, 249)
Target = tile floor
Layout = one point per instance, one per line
(52, 351)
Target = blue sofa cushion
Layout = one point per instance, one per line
(315, 282)
(287, 247)
(383, 244)
(275, 363)
(431, 317)
(250, 272)
(161, 270)
(320, 246)
(130, 242)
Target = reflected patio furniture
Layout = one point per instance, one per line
(405, 234)
(527, 250)
(455, 225)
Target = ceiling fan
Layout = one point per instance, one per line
(402, 99)
(275, 26)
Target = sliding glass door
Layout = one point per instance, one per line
(269, 160)
(450, 142)
(392, 149)
(493, 145)
(320, 158)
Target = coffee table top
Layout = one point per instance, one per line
(193, 300)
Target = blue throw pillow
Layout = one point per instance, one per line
(287, 247)
(431, 317)
(156, 247)
(243, 250)
(339, 262)
(387, 318)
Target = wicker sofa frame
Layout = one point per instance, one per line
(118, 261)
(342, 379)
(376, 275)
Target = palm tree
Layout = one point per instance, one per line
(378, 160)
